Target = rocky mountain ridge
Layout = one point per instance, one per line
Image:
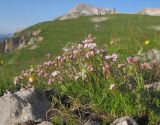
(28, 39)
(86, 10)
(25, 39)
(150, 11)
(5, 36)
(20, 40)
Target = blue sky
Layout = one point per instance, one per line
(18, 14)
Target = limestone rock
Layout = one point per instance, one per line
(153, 54)
(45, 123)
(150, 11)
(21, 40)
(126, 120)
(86, 10)
(19, 107)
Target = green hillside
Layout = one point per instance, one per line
(127, 33)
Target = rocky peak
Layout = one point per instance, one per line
(86, 10)
(21, 40)
(151, 11)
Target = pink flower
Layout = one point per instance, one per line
(75, 52)
(25, 73)
(90, 36)
(90, 68)
(96, 51)
(105, 68)
(63, 59)
(90, 54)
(113, 57)
(40, 66)
(121, 65)
(154, 62)
(89, 39)
(40, 73)
(132, 60)
(55, 73)
(58, 58)
(46, 75)
(80, 46)
(146, 66)
(90, 45)
(47, 64)
(103, 52)
(48, 55)
(50, 81)
(65, 50)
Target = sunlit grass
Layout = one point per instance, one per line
(127, 32)
(93, 79)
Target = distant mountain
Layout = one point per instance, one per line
(5, 36)
(86, 10)
(150, 11)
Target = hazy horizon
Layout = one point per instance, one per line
(19, 14)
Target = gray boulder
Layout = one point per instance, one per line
(126, 120)
(22, 106)
(45, 123)
(150, 54)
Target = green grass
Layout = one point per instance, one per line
(131, 30)
(92, 89)
(90, 80)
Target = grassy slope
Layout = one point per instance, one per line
(130, 29)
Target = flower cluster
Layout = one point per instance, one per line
(80, 62)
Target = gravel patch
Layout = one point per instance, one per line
(99, 19)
